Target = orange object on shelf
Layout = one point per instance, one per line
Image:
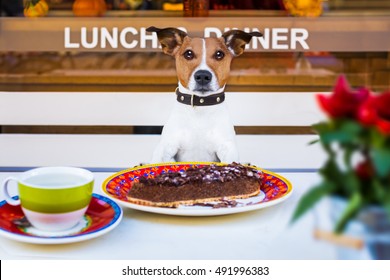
(35, 8)
(173, 6)
(89, 8)
(304, 8)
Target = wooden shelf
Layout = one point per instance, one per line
(163, 80)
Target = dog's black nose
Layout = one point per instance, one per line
(203, 77)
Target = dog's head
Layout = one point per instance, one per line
(202, 65)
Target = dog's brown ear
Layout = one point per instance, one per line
(236, 40)
(170, 38)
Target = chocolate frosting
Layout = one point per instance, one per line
(206, 174)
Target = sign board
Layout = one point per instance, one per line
(348, 34)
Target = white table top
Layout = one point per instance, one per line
(260, 234)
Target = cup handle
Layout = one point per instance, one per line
(6, 194)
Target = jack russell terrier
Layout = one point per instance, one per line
(199, 128)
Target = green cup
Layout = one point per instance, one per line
(52, 198)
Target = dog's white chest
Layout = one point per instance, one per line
(197, 131)
(196, 134)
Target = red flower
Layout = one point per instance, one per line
(344, 102)
(364, 170)
(376, 111)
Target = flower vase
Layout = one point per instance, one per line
(371, 225)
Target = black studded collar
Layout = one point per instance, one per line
(194, 100)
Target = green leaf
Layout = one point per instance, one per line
(351, 126)
(348, 153)
(351, 183)
(378, 193)
(331, 172)
(309, 199)
(381, 160)
(377, 138)
(341, 131)
(322, 127)
(353, 207)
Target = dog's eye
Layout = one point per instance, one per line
(188, 54)
(219, 55)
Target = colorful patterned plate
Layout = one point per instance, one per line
(102, 216)
(276, 189)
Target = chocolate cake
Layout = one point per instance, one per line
(197, 185)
